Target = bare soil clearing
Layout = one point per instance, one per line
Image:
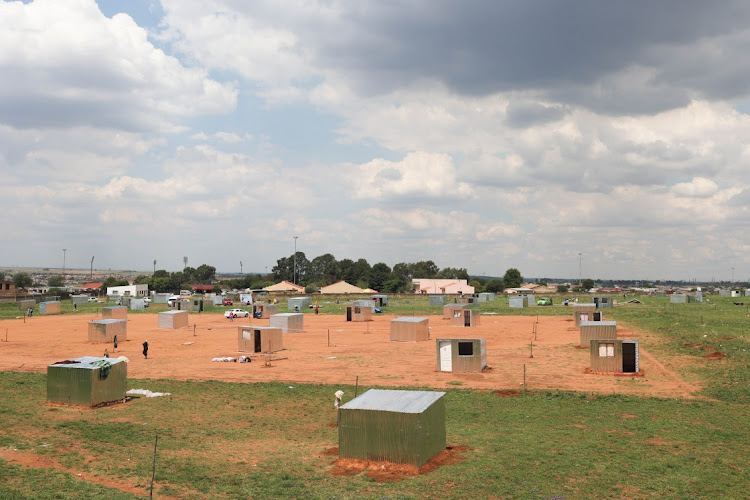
(356, 349)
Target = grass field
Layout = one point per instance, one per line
(224, 440)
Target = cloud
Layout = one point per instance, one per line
(699, 187)
(65, 64)
(419, 176)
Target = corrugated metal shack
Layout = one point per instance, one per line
(579, 316)
(467, 317)
(50, 307)
(581, 311)
(461, 355)
(358, 313)
(173, 319)
(301, 302)
(23, 305)
(380, 300)
(518, 301)
(105, 330)
(696, 297)
(436, 300)
(603, 302)
(183, 305)
(470, 299)
(265, 310)
(450, 309)
(136, 304)
(288, 322)
(161, 298)
(614, 355)
(365, 303)
(405, 427)
(87, 381)
(678, 298)
(531, 299)
(78, 300)
(410, 329)
(486, 297)
(259, 339)
(115, 312)
(591, 330)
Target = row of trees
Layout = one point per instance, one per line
(164, 282)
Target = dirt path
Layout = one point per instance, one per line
(30, 459)
(361, 350)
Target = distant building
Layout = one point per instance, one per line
(7, 287)
(139, 291)
(435, 286)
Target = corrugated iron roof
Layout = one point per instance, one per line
(394, 400)
(598, 323)
(86, 362)
(107, 321)
(410, 319)
(287, 314)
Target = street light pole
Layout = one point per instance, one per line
(64, 251)
(240, 267)
(154, 266)
(92, 269)
(294, 270)
(580, 276)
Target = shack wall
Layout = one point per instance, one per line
(410, 329)
(115, 312)
(459, 317)
(105, 330)
(591, 330)
(449, 309)
(50, 307)
(358, 313)
(172, 319)
(288, 322)
(271, 339)
(611, 364)
(82, 386)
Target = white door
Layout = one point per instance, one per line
(446, 361)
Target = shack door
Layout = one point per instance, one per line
(628, 357)
(446, 359)
(597, 316)
(348, 313)
(467, 318)
(256, 340)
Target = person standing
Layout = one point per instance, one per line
(145, 349)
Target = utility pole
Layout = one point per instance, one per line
(294, 271)
(240, 267)
(64, 251)
(154, 266)
(580, 276)
(92, 269)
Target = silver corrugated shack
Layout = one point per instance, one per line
(105, 330)
(115, 312)
(614, 355)
(603, 302)
(380, 300)
(591, 330)
(87, 381)
(50, 307)
(358, 313)
(467, 317)
(678, 298)
(405, 427)
(259, 339)
(301, 302)
(581, 311)
(173, 319)
(288, 322)
(410, 329)
(265, 310)
(436, 300)
(450, 309)
(461, 355)
(518, 302)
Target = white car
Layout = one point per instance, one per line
(146, 300)
(237, 313)
(93, 299)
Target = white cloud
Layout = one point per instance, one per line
(699, 187)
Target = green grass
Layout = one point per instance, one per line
(230, 440)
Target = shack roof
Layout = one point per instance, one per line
(173, 312)
(107, 321)
(598, 323)
(284, 315)
(411, 319)
(86, 362)
(394, 401)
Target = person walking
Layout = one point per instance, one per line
(145, 349)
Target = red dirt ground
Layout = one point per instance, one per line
(357, 350)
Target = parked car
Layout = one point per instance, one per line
(147, 300)
(237, 313)
(544, 301)
(93, 299)
(228, 302)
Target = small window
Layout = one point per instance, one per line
(456, 314)
(607, 350)
(357, 310)
(466, 348)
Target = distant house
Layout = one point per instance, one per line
(285, 286)
(92, 287)
(435, 286)
(7, 287)
(202, 288)
(128, 290)
(341, 287)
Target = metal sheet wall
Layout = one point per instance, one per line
(105, 330)
(115, 312)
(84, 387)
(173, 319)
(449, 309)
(615, 363)
(302, 302)
(459, 317)
(288, 322)
(51, 307)
(410, 329)
(591, 330)
(678, 298)
(462, 364)
(436, 300)
(358, 313)
(271, 339)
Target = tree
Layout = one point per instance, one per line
(588, 284)
(403, 271)
(563, 288)
(512, 278)
(55, 281)
(379, 274)
(205, 274)
(162, 285)
(112, 281)
(450, 273)
(325, 269)
(477, 285)
(495, 286)
(425, 269)
(23, 280)
(142, 279)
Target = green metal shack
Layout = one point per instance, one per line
(87, 381)
(405, 427)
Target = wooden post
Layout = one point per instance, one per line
(329, 337)
(153, 470)
(356, 386)
(531, 346)
(193, 329)
(524, 375)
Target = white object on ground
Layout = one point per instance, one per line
(225, 359)
(147, 393)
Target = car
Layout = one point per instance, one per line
(237, 313)
(544, 301)
(93, 299)
(146, 300)
(228, 302)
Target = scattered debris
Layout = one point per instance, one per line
(147, 393)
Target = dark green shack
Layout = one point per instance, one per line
(87, 381)
(405, 427)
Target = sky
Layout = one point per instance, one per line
(483, 135)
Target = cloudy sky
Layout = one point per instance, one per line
(479, 134)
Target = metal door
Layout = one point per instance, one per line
(446, 357)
